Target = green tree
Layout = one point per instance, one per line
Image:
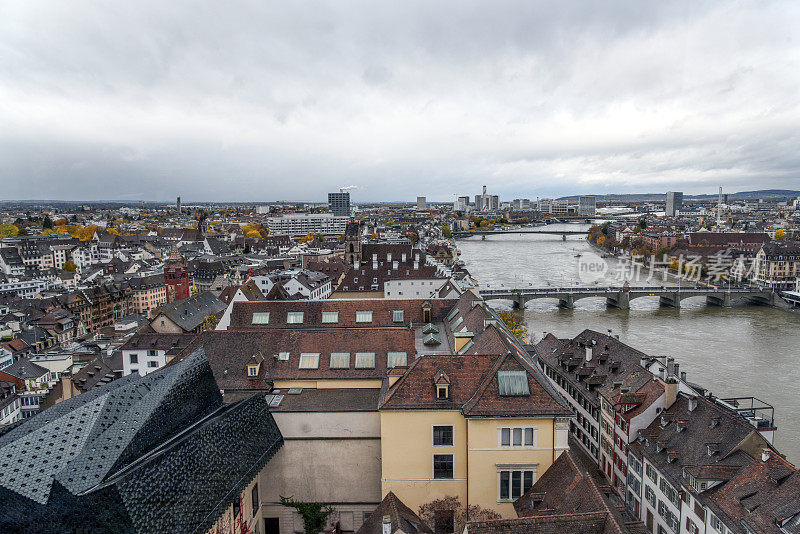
(314, 514)
(47, 224)
(446, 231)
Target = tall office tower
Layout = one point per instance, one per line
(674, 203)
(339, 204)
(587, 205)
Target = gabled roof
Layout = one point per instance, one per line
(189, 313)
(401, 516)
(473, 388)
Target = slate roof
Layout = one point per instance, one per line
(402, 518)
(327, 400)
(25, 369)
(159, 453)
(189, 313)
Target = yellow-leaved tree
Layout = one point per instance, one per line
(515, 324)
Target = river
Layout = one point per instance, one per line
(734, 352)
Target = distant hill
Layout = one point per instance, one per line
(651, 197)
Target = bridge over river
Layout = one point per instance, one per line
(469, 233)
(621, 297)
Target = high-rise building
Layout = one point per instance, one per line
(179, 205)
(674, 203)
(461, 204)
(422, 203)
(494, 202)
(587, 205)
(339, 203)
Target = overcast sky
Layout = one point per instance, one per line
(238, 100)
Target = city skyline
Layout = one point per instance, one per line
(148, 102)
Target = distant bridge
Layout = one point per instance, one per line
(618, 297)
(469, 233)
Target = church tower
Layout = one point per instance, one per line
(352, 243)
(176, 276)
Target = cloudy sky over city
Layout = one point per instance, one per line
(257, 100)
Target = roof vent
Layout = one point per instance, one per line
(692, 403)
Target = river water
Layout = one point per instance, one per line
(734, 352)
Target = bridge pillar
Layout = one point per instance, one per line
(670, 300)
(519, 302)
(723, 300)
(567, 302)
(621, 301)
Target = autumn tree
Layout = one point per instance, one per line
(515, 324)
(780, 235)
(446, 231)
(8, 230)
(449, 509)
(69, 266)
(314, 514)
(209, 323)
(253, 234)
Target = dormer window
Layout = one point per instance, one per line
(252, 371)
(294, 318)
(442, 392)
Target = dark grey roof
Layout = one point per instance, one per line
(159, 453)
(189, 313)
(25, 369)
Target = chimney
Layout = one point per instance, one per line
(683, 376)
(670, 392)
(676, 370)
(692, 403)
(765, 454)
(387, 525)
(643, 361)
(588, 353)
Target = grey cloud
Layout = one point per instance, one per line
(260, 100)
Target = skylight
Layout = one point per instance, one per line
(365, 360)
(309, 361)
(330, 317)
(452, 314)
(340, 360)
(456, 324)
(513, 383)
(294, 318)
(260, 317)
(395, 359)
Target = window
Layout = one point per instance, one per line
(330, 317)
(442, 392)
(443, 435)
(254, 499)
(517, 437)
(309, 361)
(133, 358)
(397, 316)
(294, 318)
(260, 317)
(691, 527)
(365, 360)
(651, 473)
(650, 495)
(152, 364)
(364, 316)
(670, 492)
(443, 466)
(252, 370)
(395, 359)
(513, 383)
(716, 524)
(513, 483)
(456, 324)
(340, 360)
